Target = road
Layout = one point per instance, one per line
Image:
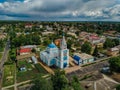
(3, 59)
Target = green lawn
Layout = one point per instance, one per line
(1, 49)
(30, 73)
(0, 56)
(12, 88)
(40, 69)
(9, 74)
(24, 62)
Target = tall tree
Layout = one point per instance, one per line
(115, 64)
(109, 43)
(95, 53)
(118, 87)
(86, 48)
(41, 84)
(76, 84)
(59, 80)
(116, 41)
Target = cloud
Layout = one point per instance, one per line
(61, 9)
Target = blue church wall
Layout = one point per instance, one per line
(52, 62)
(65, 65)
(58, 64)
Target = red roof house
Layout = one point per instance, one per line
(25, 51)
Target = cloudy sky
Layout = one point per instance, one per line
(60, 10)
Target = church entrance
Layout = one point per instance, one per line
(65, 65)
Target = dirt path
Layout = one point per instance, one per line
(47, 68)
(110, 79)
(71, 61)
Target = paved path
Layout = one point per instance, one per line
(72, 69)
(4, 88)
(71, 61)
(48, 69)
(15, 83)
(4, 58)
(110, 79)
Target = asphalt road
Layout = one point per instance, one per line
(4, 58)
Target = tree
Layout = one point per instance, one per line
(76, 84)
(109, 43)
(116, 41)
(1, 43)
(33, 50)
(41, 84)
(59, 80)
(69, 44)
(99, 32)
(46, 42)
(95, 53)
(115, 64)
(118, 87)
(86, 48)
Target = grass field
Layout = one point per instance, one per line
(30, 73)
(12, 88)
(0, 56)
(1, 49)
(9, 74)
(40, 69)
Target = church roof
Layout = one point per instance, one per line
(52, 45)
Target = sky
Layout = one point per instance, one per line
(60, 10)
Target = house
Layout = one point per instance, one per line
(24, 51)
(28, 46)
(83, 35)
(34, 59)
(93, 38)
(22, 68)
(72, 34)
(48, 32)
(49, 28)
(2, 36)
(83, 58)
(113, 51)
(28, 25)
(57, 42)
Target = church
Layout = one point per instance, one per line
(56, 56)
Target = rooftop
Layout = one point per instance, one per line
(25, 50)
(52, 45)
(84, 56)
(114, 49)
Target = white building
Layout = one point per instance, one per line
(83, 58)
(34, 59)
(56, 56)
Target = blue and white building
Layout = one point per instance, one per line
(56, 56)
(83, 58)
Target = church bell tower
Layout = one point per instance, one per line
(64, 54)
